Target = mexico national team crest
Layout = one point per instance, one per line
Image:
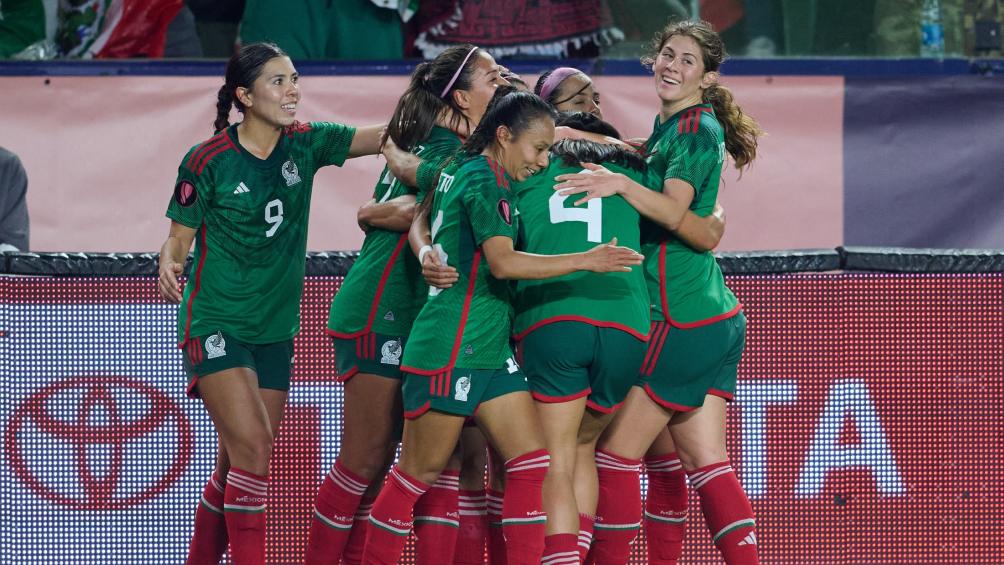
(462, 389)
(216, 346)
(290, 173)
(390, 353)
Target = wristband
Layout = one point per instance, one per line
(425, 250)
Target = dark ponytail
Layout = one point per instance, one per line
(424, 100)
(243, 69)
(511, 108)
(741, 130)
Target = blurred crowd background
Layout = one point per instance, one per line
(393, 29)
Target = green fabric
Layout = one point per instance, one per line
(686, 286)
(384, 289)
(467, 324)
(551, 225)
(22, 22)
(251, 216)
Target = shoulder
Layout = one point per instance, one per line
(484, 172)
(218, 147)
(299, 129)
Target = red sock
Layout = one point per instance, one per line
(244, 507)
(437, 521)
(473, 528)
(585, 535)
(390, 520)
(523, 518)
(561, 549)
(353, 554)
(496, 541)
(665, 509)
(727, 512)
(209, 542)
(618, 511)
(334, 509)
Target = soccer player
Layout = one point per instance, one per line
(372, 313)
(459, 361)
(698, 329)
(243, 196)
(569, 89)
(581, 336)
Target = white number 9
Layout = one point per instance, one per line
(273, 215)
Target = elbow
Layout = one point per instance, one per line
(499, 271)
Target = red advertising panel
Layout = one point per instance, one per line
(867, 426)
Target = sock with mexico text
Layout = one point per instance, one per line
(437, 521)
(585, 535)
(561, 549)
(618, 510)
(209, 542)
(473, 528)
(496, 539)
(244, 507)
(334, 509)
(727, 512)
(665, 509)
(523, 518)
(390, 520)
(353, 554)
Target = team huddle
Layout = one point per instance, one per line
(535, 295)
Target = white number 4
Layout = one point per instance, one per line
(592, 214)
(273, 215)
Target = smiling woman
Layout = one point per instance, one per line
(243, 197)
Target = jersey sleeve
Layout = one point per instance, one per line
(192, 194)
(330, 142)
(693, 158)
(435, 154)
(490, 208)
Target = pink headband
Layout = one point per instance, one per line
(460, 69)
(556, 77)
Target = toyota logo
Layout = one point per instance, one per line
(90, 438)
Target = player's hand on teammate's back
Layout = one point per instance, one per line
(610, 257)
(168, 285)
(437, 273)
(595, 181)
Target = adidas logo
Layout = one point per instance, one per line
(750, 539)
(389, 316)
(241, 188)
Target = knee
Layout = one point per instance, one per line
(695, 457)
(253, 449)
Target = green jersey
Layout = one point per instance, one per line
(686, 287)
(251, 217)
(551, 225)
(384, 289)
(466, 325)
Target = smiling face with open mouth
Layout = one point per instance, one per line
(275, 94)
(526, 155)
(679, 73)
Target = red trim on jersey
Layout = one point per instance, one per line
(708, 321)
(655, 347)
(592, 322)
(200, 159)
(603, 409)
(721, 394)
(665, 300)
(665, 403)
(296, 127)
(226, 147)
(346, 375)
(391, 261)
(198, 281)
(499, 173)
(460, 329)
(419, 411)
(690, 122)
(559, 399)
(202, 148)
